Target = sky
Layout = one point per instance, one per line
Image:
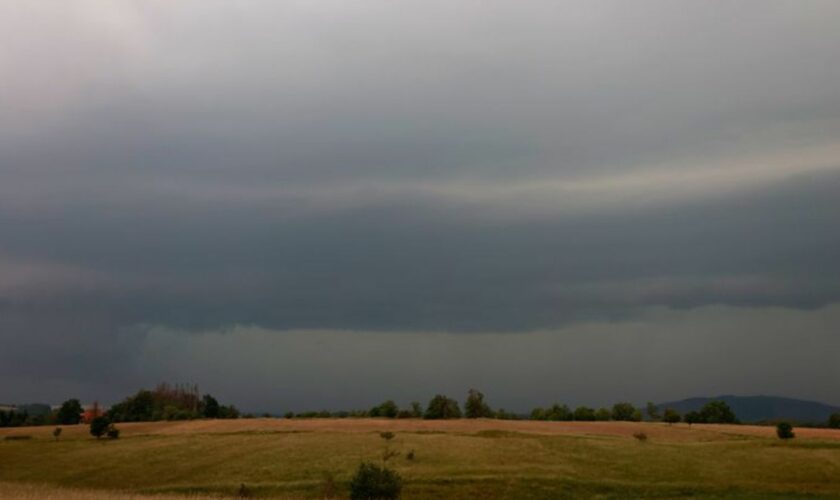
(325, 204)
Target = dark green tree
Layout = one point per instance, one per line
(70, 412)
(442, 407)
(717, 412)
(693, 417)
(209, 407)
(603, 414)
(652, 412)
(475, 407)
(834, 421)
(99, 426)
(584, 413)
(671, 416)
(784, 430)
(623, 411)
(416, 410)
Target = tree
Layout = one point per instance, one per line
(784, 430)
(387, 409)
(70, 412)
(834, 421)
(603, 414)
(442, 407)
(416, 410)
(373, 482)
(671, 416)
(717, 412)
(209, 407)
(57, 433)
(99, 426)
(475, 407)
(584, 413)
(623, 411)
(693, 417)
(538, 414)
(559, 413)
(652, 411)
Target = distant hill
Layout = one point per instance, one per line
(762, 408)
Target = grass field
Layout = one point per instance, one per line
(453, 459)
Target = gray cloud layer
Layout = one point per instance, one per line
(368, 167)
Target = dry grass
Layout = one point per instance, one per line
(454, 459)
(12, 491)
(657, 431)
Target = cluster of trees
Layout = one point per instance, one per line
(558, 412)
(36, 414)
(439, 407)
(167, 402)
(14, 418)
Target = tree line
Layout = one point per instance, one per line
(184, 402)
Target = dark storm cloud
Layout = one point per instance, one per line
(456, 167)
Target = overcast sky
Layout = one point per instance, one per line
(303, 205)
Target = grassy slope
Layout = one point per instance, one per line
(455, 460)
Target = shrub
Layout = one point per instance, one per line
(784, 430)
(410, 455)
(113, 432)
(671, 416)
(623, 411)
(56, 433)
(99, 426)
(374, 482)
(834, 421)
(289, 414)
(442, 407)
(640, 436)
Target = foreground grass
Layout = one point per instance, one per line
(452, 460)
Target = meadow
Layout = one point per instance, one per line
(452, 459)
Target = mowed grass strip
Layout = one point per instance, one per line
(292, 458)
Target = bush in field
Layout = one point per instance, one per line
(640, 436)
(623, 411)
(784, 430)
(442, 407)
(112, 432)
(70, 412)
(834, 421)
(671, 416)
(584, 414)
(99, 426)
(373, 482)
(475, 407)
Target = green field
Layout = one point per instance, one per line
(453, 459)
